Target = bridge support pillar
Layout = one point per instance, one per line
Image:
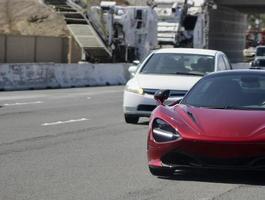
(227, 28)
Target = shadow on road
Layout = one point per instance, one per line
(219, 176)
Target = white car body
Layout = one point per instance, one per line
(138, 99)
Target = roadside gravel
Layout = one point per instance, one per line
(30, 17)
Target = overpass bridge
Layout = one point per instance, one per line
(227, 25)
(247, 6)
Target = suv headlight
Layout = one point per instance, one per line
(163, 132)
(134, 88)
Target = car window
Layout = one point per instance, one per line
(221, 63)
(227, 92)
(260, 51)
(173, 63)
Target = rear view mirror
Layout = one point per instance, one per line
(161, 96)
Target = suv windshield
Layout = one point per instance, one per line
(239, 91)
(172, 63)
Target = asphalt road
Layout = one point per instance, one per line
(73, 144)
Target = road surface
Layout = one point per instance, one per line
(73, 144)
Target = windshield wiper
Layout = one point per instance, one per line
(190, 73)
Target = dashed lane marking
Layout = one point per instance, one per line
(64, 122)
(23, 103)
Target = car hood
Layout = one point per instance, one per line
(260, 58)
(219, 123)
(170, 82)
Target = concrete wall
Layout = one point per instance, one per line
(26, 49)
(20, 49)
(41, 76)
(2, 49)
(227, 32)
(75, 52)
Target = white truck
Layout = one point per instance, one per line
(130, 31)
(180, 23)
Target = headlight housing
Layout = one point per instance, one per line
(135, 89)
(163, 132)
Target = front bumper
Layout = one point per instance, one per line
(141, 105)
(132, 101)
(197, 154)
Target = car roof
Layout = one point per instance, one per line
(188, 51)
(236, 72)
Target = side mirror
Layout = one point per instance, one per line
(161, 96)
(132, 70)
(136, 62)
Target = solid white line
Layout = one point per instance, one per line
(22, 103)
(88, 97)
(64, 122)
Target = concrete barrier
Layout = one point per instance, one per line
(41, 76)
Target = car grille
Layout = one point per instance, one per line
(227, 162)
(173, 93)
(142, 107)
(180, 159)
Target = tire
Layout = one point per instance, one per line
(161, 171)
(131, 119)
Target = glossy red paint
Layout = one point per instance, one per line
(210, 134)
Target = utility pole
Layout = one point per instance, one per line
(208, 6)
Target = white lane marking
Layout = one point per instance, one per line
(22, 103)
(64, 122)
(6, 98)
(88, 97)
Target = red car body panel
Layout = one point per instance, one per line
(209, 133)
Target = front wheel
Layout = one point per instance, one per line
(131, 119)
(161, 171)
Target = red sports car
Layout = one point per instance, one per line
(219, 124)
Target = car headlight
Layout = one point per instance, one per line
(163, 132)
(134, 88)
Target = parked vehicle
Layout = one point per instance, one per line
(258, 63)
(219, 124)
(130, 32)
(174, 69)
(181, 23)
(260, 52)
(259, 60)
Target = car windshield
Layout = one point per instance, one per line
(173, 63)
(260, 51)
(239, 91)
